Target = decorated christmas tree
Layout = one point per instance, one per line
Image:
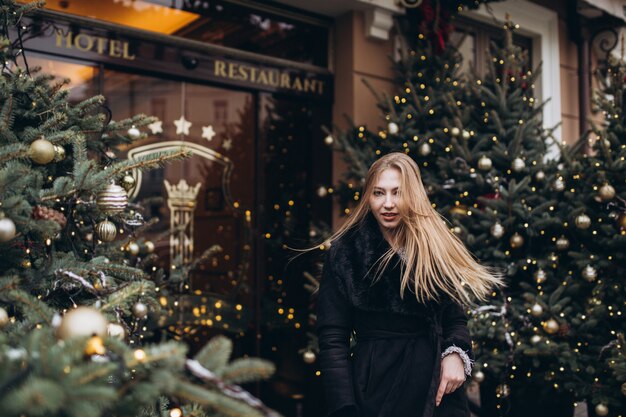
(593, 209)
(73, 315)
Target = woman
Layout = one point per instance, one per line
(396, 278)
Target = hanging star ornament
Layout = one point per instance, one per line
(182, 126)
(156, 127)
(208, 132)
(228, 143)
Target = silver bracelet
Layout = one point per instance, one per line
(467, 362)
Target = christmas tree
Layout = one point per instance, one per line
(73, 315)
(593, 209)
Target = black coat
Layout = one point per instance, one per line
(393, 371)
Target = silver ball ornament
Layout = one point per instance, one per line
(582, 221)
(392, 128)
(7, 229)
(485, 163)
(455, 131)
(602, 410)
(309, 356)
(540, 276)
(534, 339)
(424, 149)
(479, 376)
(466, 135)
(82, 322)
(497, 230)
(559, 184)
(116, 331)
(536, 310)
(562, 243)
(518, 164)
(589, 273)
(328, 140)
(59, 153)
(540, 176)
(322, 191)
(140, 310)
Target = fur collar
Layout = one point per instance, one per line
(355, 259)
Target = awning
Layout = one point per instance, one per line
(616, 8)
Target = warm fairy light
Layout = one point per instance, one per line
(140, 355)
(176, 412)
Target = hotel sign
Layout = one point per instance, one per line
(170, 58)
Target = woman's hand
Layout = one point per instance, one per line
(452, 375)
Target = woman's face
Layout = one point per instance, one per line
(385, 198)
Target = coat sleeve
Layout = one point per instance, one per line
(456, 337)
(334, 325)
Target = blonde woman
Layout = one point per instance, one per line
(399, 279)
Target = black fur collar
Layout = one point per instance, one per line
(355, 258)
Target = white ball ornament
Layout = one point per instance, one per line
(133, 132)
(7, 229)
(466, 134)
(540, 276)
(497, 230)
(455, 131)
(328, 140)
(589, 273)
(540, 176)
(536, 310)
(534, 339)
(322, 191)
(562, 243)
(559, 184)
(116, 331)
(479, 376)
(308, 357)
(424, 149)
(393, 128)
(82, 322)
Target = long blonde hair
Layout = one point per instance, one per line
(436, 260)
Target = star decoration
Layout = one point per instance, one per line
(228, 143)
(182, 126)
(208, 132)
(156, 127)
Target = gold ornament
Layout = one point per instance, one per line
(309, 356)
(516, 241)
(133, 248)
(116, 331)
(455, 131)
(485, 163)
(536, 310)
(26, 263)
(540, 276)
(518, 164)
(4, 317)
(583, 221)
(59, 153)
(559, 184)
(41, 151)
(460, 210)
(606, 192)
(106, 231)
(562, 243)
(602, 410)
(149, 246)
(590, 273)
(7, 229)
(140, 310)
(497, 230)
(479, 376)
(424, 149)
(392, 128)
(113, 199)
(621, 220)
(551, 326)
(95, 346)
(81, 322)
(328, 140)
(128, 182)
